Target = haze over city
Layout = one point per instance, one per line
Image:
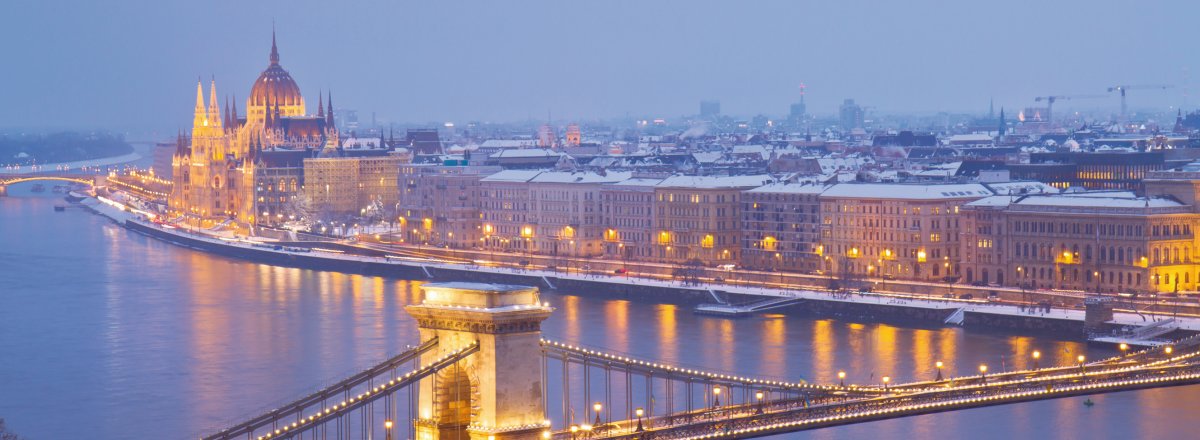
(551, 220)
(133, 64)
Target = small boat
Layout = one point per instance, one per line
(59, 208)
(1088, 403)
(75, 197)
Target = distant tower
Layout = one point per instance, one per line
(852, 115)
(546, 136)
(992, 108)
(1003, 128)
(574, 136)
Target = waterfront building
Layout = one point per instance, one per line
(354, 186)
(440, 205)
(1099, 241)
(224, 173)
(698, 218)
(781, 227)
(628, 212)
(908, 231)
(554, 213)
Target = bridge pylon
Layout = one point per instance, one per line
(496, 393)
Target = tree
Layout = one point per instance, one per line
(5, 434)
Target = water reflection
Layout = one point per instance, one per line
(138, 338)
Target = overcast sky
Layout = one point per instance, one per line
(134, 63)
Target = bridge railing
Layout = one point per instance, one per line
(293, 410)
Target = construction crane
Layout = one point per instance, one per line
(1050, 102)
(1122, 89)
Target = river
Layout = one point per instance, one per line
(105, 334)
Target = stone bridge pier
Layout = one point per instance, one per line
(495, 393)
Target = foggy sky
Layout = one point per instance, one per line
(128, 64)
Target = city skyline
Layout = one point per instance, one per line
(424, 63)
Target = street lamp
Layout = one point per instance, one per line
(939, 366)
(759, 396)
(639, 413)
(983, 373)
(1080, 359)
(1036, 355)
(574, 431)
(842, 379)
(716, 396)
(387, 429)
(886, 381)
(1168, 350)
(1124, 347)
(597, 407)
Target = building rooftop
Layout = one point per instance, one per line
(715, 182)
(908, 191)
(789, 188)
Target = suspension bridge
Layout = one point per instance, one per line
(484, 372)
(85, 179)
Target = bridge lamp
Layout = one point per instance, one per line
(716, 396)
(1168, 350)
(759, 396)
(546, 434)
(1123, 348)
(596, 407)
(939, 366)
(640, 412)
(983, 373)
(1036, 355)
(387, 428)
(842, 379)
(886, 381)
(574, 430)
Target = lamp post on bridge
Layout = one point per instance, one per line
(387, 429)
(939, 366)
(640, 412)
(983, 374)
(842, 379)
(1036, 355)
(716, 396)
(597, 407)
(759, 396)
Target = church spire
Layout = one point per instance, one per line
(274, 50)
(214, 111)
(329, 112)
(233, 117)
(201, 118)
(226, 121)
(320, 105)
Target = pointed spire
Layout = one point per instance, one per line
(274, 50)
(267, 116)
(234, 116)
(214, 112)
(329, 112)
(201, 113)
(226, 121)
(320, 105)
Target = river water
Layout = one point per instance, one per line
(105, 334)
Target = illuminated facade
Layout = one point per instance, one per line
(697, 218)
(1106, 241)
(223, 173)
(895, 230)
(441, 205)
(781, 227)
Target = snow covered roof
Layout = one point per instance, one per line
(580, 177)
(970, 138)
(509, 143)
(715, 182)
(1022, 187)
(525, 153)
(1092, 201)
(639, 181)
(908, 191)
(789, 188)
(512, 176)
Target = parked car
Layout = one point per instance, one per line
(523, 262)
(966, 296)
(978, 283)
(621, 271)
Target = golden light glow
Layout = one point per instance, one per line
(707, 241)
(921, 256)
(527, 231)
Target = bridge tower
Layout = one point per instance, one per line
(496, 393)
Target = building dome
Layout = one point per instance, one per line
(275, 85)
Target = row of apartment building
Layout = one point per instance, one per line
(1024, 234)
